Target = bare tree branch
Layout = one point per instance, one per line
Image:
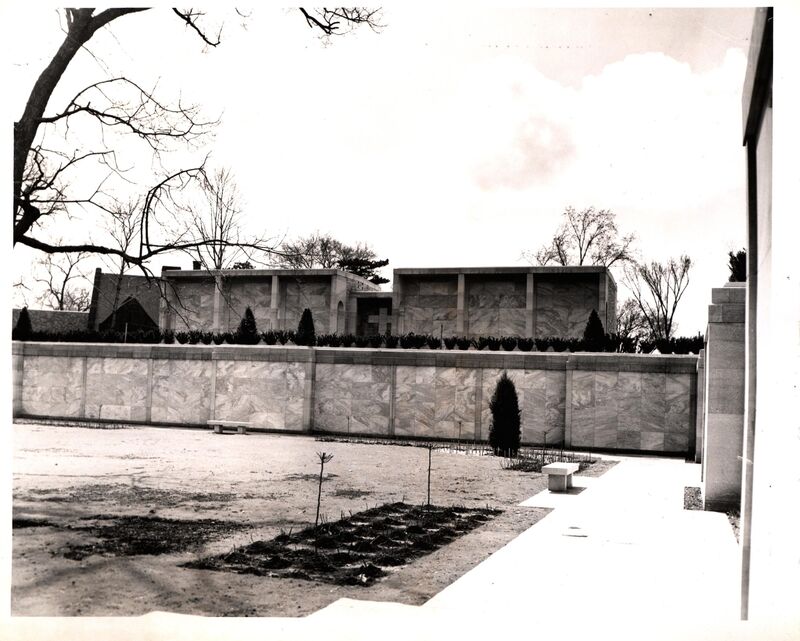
(584, 236)
(657, 289)
(190, 17)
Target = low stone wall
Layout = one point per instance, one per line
(604, 401)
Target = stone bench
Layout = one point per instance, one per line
(219, 426)
(559, 476)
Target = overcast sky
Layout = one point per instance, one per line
(456, 138)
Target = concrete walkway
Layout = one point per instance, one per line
(620, 553)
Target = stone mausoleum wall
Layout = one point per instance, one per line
(217, 300)
(503, 301)
(604, 401)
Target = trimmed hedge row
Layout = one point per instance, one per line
(611, 343)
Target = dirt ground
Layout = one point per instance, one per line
(259, 485)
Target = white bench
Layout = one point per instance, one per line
(559, 476)
(219, 426)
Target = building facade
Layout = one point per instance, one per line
(457, 301)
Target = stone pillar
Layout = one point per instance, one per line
(217, 322)
(308, 390)
(461, 311)
(352, 316)
(602, 306)
(338, 293)
(274, 302)
(148, 401)
(530, 307)
(392, 397)
(478, 402)
(724, 398)
(164, 312)
(700, 409)
(398, 309)
(568, 405)
(84, 373)
(18, 374)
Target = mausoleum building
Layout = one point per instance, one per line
(452, 301)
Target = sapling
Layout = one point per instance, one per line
(323, 458)
(430, 452)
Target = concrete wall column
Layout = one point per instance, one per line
(274, 303)
(217, 317)
(700, 408)
(18, 374)
(530, 307)
(392, 397)
(82, 410)
(461, 311)
(148, 399)
(568, 407)
(478, 402)
(398, 307)
(352, 315)
(602, 299)
(724, 398)
(308, 390)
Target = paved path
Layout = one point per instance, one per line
(619, 554)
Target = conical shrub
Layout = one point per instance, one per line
(22, 330)
(504, 433)
(305, 330)
(594, 336)
(247, 334)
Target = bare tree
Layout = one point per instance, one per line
(657, 289)
(218, 229)
(324, 251)
(125, 224)
(586, 237)
(44, 176)
(58, 278)
(630, 321)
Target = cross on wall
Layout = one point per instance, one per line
(383, 318)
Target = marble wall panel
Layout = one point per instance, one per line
(298, 294)
(678, 418)
(629, 440)
(193, 303)
(653, 402)
(360, 393)
(181, 391)
(240, 294)
(563, 304)
(495, 306)
(429, 305)
(675, 442)
(652, 441)
(268, 394)
(116, 388)
(52, 386)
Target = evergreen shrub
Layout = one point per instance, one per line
(23, 330)
(504, 432)
(305, 329)
(247, 334)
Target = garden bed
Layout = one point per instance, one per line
(356, 550)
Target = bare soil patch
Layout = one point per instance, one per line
(692, 498)
(265, 483)
(134, 535)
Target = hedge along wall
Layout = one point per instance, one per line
(607, 401)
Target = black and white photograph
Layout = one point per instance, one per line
(410, 321)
